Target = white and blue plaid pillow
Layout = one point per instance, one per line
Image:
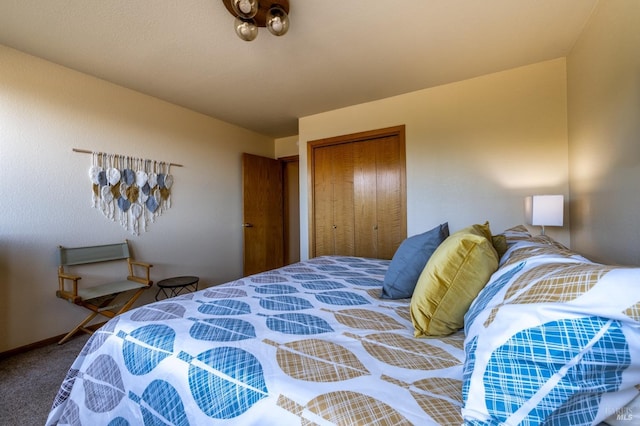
(552, 339)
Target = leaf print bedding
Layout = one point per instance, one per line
(552, 340)
(309, 343)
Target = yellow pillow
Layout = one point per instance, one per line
(483, 230)
(452, 278)
(500, 244)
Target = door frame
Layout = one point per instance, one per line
(398, 131)
(289, 233)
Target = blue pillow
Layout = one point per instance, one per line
(409, 261)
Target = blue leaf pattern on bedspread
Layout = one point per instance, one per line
(226, 371)
(470, 351)
(225, 307)
(146, 347)
(368, 282)
(297, 323)
(160, 311)
(308, 277)
(341, 298)
(322, 285)
(118, 421)
(285, 303)
(161, 404)
(348, 274)
(600, 344)
(276, 289)
(222, 330)
(332, 268)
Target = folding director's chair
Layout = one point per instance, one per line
(100, 299)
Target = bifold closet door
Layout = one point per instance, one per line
(364, 198)
(378, 197)
(391, 223)
(333, 197)
(359, 194)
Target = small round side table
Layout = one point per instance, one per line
(171, 287)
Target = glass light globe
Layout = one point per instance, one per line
(246, 29)
(245, 9)
(277, 21)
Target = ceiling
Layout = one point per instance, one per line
(336, 53)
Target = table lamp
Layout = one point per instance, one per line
(544, 210)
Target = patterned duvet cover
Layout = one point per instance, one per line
(309, 343)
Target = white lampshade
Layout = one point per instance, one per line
(544, 210)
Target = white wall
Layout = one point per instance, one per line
(475, 148)
(45, 193)
(604, 134)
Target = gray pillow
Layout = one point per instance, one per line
(409, 261)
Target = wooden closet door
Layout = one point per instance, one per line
(365, 198)
(391, 224)
(323, 234)
(343, 206)
(380, 226)
(359, 194)
(333, 195)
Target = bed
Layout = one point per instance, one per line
(315, 343)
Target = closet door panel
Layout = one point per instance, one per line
(364, 170)
(323, 205)
(390, 196)
(343, 200)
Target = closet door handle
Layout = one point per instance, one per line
(247, 225)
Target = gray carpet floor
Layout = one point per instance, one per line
(29, 381)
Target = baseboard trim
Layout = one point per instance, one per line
(43, 343)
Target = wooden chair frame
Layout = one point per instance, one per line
(100, 299)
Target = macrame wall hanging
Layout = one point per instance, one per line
(132, 191)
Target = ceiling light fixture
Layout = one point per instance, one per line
(251, 14)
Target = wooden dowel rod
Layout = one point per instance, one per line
(84, 151)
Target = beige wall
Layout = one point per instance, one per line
(604, 134)
(45, 193)
(286, 147)
(475, 148)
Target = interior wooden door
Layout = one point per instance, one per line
(262, 214)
